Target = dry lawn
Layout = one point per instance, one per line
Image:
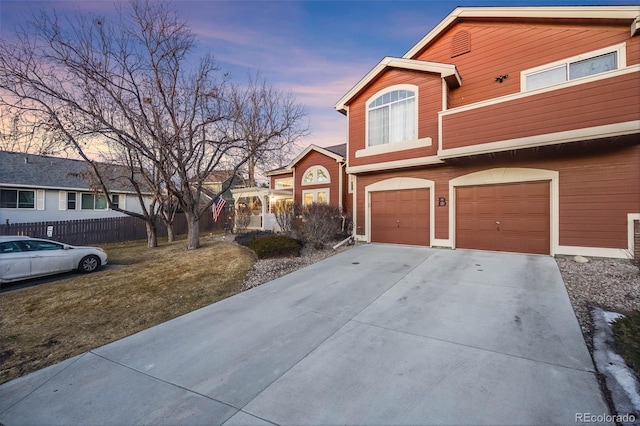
(45, 324)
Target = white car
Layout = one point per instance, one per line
(24, 257)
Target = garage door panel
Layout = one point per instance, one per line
(484, 192)
(465, 208)
(400, 217)
(522, 210)
(484, 208)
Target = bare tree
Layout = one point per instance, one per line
(269, 123)
(19, 134)
(130, 85)
(243, 217)
(285, 214)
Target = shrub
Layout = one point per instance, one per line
(286, 214)
(243, 217)
(267, 246)
(321, 223)
(244, 238)
(626, 334)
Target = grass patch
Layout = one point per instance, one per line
(626, 335)
(43, 325)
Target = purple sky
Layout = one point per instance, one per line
(316, 49)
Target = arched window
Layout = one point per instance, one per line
(392, 117)
(316, 175)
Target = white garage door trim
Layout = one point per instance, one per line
(398, 184)
(508, 175)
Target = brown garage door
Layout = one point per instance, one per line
(400, 217)
(509, 217)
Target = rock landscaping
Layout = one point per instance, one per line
(610, 284)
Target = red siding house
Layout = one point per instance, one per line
(318, 175)
(508, 128)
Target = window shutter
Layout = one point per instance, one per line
(122, 201)
(40, 199)
(62, 200)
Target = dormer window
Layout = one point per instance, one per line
(315, 175)
(392, 117)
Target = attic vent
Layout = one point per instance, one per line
(460, 43)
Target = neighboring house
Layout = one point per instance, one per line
(316, 175)
(213, 186)
(507, 128)
(35, 188)
(219, 179)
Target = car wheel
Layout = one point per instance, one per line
(89, 263)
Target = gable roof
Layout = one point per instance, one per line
(449, 72)
(29, 170)
(337, 152)
(629, 13)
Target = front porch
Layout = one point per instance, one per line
(256, 207)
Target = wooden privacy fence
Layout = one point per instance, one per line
(108, 230)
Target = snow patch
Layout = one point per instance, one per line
(623, 385)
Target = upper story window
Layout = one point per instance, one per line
(586, 65)
(392, 117)
(315, 175)
(283, 183)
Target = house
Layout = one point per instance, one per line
(218, 180)
(35, 188)
(316, 175)
(508, 128)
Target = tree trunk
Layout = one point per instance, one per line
(170, 235)
(193, 231)
(251, 172)
(152, 234)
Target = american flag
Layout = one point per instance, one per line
(218, 205)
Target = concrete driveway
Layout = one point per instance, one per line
(376, 335)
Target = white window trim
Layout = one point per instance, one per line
(352, 183)
(279, 180)
(621, 56)
(397, 146)
(393, 147)
(315, 194)
(315, 169)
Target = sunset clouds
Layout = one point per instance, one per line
(317, 50)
